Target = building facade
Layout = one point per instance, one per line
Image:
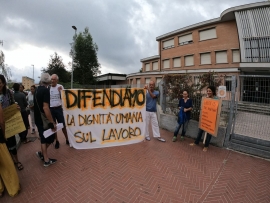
(237, 43)
(27, 82)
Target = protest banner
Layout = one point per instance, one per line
(13, 121)
(210, 115)
(104, 117)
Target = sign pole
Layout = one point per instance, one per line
(205, 135)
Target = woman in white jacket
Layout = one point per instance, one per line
(31, 107)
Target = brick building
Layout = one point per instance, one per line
(236, 43)
(27, 82)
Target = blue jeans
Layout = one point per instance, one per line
(184, 128)
(199, 137)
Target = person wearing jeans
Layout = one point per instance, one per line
(185, 106)
(211, 93)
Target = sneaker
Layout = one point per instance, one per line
(67, 142)
(174, 138)
(161, 139)
(40, 156)
(50, 162)
(57, 144)
(182, 138)
(148, 138)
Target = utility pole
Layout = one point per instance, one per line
(33, 74)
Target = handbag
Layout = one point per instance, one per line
(182, 118)
(45, 121)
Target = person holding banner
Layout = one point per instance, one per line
(42, 106)
(185, 106)
(151, 112)
(8, 175)
(7, 99)
(211, 93)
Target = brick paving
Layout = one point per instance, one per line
(145, 172)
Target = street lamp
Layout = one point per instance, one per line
(33, 74)
(74, 27)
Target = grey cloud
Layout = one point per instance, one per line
(116, 26)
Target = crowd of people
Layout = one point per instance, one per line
(44, 105)
(43, 102)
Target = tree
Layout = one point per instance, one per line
(85, 61)
(4, 68)
(56, 66)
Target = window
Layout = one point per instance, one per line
(206, 58)
(221, 57)
(185, 39)
(197, 80)
(177, 62)
(168, 44)
(147, 67)
(155, 65)
(166, 63)
(147, 80)
(158, 80)
(236, 55)
(208, 34)
(189, 60)
(138, 82)
(228, 83)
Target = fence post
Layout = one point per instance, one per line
(162, 100)
(232, 111)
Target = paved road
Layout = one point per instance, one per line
(146, 172)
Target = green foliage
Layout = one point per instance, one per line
(85, 61)
(56, 66)
(5, 70)
(175, 84)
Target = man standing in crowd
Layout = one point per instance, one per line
(20, 98)
(56, 106)
(42, 105)
(31, 107)
(151, 109)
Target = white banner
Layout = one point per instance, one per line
(104, 117)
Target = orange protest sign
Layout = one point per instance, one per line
(210, 114)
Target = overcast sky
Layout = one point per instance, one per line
(124, 30)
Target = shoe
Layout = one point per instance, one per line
(182, 138)
(33, 131)
(50, 162)
(174, 138)
(161, 139)
(67, 142)
(148, 138)
(205, 149)
(40, 156)
(57, 144)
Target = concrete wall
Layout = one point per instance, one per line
(169, 122)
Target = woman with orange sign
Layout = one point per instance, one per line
(211, 93)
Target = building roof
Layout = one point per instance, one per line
(111, 76)
(150, 58)
(226, 15)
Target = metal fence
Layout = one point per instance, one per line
(170, 106)
(252, 117)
